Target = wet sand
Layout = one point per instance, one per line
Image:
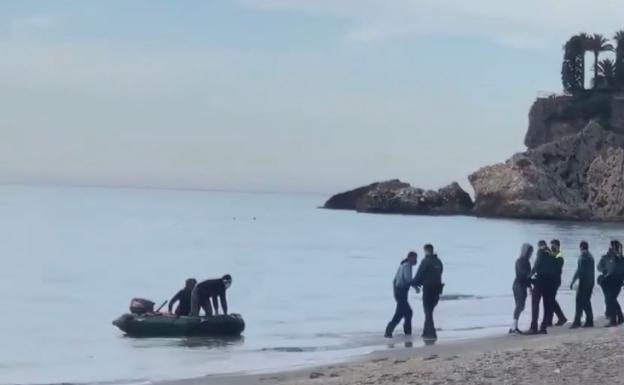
(582, 356)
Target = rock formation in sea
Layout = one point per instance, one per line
(573, 168)
(396, 197)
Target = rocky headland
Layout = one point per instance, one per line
(573, 169)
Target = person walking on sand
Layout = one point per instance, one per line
(545, 272)
(401, 286)
(585, 275)
(429, 277)
(610, 279)
(555, 250)
(521, 284)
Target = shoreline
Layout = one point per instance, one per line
(558, 357)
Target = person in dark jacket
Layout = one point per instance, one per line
(585, 275)
(401, 286)
(429, 277)
(210, 289)
(184, 298)
(521, 284)
(610, 279)
(555, 250)
(545, 271)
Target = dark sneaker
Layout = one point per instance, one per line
(561, 322)
(575, 326)
(588, 325)
(543, 331)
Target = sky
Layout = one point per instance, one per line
(275, 95)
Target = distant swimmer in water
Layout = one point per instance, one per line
(401, 286)
(184, 298)
(521, 284)
(210, 290)
(585, 276)
(429, 277)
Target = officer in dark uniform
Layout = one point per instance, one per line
(545, 274)
(429, 277)
(585, 275)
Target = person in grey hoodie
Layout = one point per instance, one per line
(585, 275)
(521, 284)
(401, 286)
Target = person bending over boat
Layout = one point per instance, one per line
(521, 284)
(429, 276)
(401, 286)
(184, 298)
(210, 290)
(585, 275)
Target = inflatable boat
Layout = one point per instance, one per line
(144, 322)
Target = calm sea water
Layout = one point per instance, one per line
(313, 285)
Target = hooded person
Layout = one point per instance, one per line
(521, 284)
(585, 276)
(401, 285)
(184, 298)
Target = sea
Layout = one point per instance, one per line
(314, 286)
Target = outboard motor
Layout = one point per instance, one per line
(141, 306)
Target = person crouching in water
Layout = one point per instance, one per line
(184, 297)
(610, 279)
(210, 289)
(521, 284)
(545, 270)
(585, 275)
(401, 286)
(429, 276)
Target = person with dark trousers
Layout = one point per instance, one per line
(184, 298)
(210, 289)
(545, 271)
(401, 286)
(610, 279)
(521, 284)
(585, 275)
(555, 250)
(429, 277)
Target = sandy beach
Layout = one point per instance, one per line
(584, 356)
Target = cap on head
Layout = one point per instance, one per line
(584, 245)
(412, 254)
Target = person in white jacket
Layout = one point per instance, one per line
(401, 286)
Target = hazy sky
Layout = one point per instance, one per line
(290, 95)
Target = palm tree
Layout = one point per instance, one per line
(619, 59)
(598, 44)
(606, 69)
(573, 66)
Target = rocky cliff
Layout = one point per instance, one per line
(396, 197)
(573, 169)
(567, 173)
